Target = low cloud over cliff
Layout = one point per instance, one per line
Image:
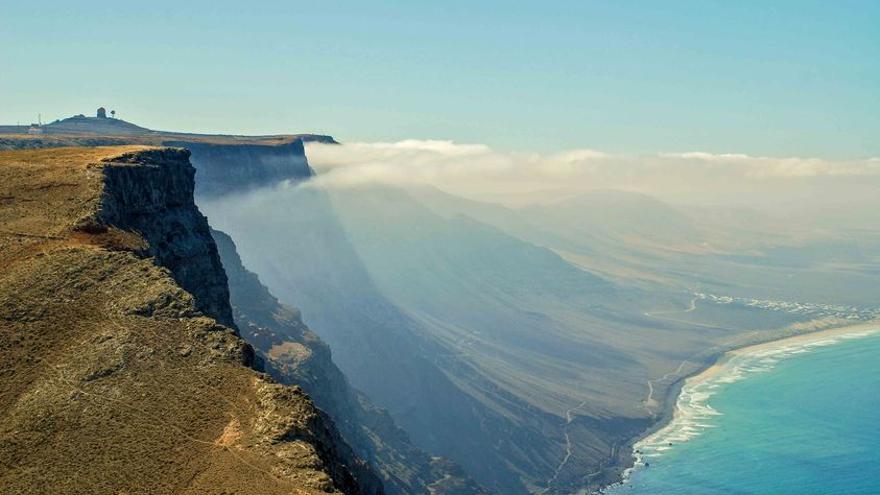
(478, 171)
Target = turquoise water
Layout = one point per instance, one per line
(800, 420)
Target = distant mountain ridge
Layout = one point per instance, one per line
(81, 125)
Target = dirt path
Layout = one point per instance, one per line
(649, 399)
(569, 417)
(693, 306)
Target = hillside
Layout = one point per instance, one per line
(487, 348)
(295, 355)
(122, 371)
(505, 424)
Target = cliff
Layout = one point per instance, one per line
(151, 192)
(225, 163)
(295, 355)
(119, 375)
(224, 168)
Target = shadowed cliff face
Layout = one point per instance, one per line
(225, 168)
(116, 379)
(295, 355)
(225, 163)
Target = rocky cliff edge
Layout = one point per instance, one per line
(118, 374)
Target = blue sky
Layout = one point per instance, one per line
(779, 78)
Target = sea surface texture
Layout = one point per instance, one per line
(801, 419)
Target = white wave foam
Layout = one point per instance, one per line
(693, 412)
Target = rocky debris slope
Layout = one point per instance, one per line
(294, 354)
(115, 378)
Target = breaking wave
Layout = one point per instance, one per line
(693, 411)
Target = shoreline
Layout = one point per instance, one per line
(812, 337)
(716, 364)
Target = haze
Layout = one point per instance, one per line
(445, 248)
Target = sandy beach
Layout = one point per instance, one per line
(686, 404)
(812, 337)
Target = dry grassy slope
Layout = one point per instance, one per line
(111, 380)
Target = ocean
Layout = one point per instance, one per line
(798, 419)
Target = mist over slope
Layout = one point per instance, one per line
(383, 351)
(810, 251)
(294, 355)
(286, 346)
(528, 341)
(746, 252)
(481, 345)
(555, 328)
(734, 222)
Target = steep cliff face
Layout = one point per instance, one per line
(226, 163)
(295, 355)
(151, 192)
(224, 168)
(118, 376)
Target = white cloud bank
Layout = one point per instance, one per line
(477, 171)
